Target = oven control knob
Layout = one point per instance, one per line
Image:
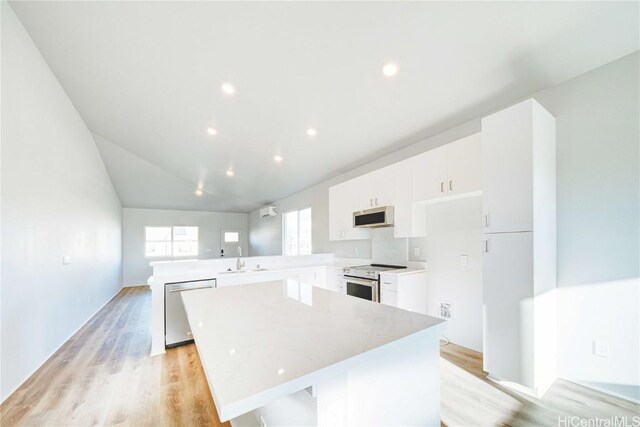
(371, 274)
(345, 271)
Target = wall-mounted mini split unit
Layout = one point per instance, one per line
(268, 211)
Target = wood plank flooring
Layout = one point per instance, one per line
(104, 376)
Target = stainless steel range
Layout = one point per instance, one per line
(363, 281)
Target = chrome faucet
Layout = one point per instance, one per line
(239, 264)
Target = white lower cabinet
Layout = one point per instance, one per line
(315, 276)
(389, 298)
(406, 291)
(333, 279)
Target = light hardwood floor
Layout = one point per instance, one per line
(104, 376)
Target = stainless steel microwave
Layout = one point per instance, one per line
(374, 218)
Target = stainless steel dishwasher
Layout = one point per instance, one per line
(176, 326)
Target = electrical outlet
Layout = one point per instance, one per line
(464, 260)
(416, 251)
(446, 310)
(601, 348)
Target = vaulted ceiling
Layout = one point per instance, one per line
(146, 78)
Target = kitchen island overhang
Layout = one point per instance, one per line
(264, 341)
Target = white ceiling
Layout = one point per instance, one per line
(145, 76)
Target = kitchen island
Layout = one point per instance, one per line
(288, 353)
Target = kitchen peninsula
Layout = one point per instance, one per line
(288, 353)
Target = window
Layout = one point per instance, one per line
(171, 241)
(296, 238)
(231, 236)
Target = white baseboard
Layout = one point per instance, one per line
(602, 390)
(518, 387)
(60, 346)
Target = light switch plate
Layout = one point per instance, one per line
(416, 251)
(464, 260)
(601, 348)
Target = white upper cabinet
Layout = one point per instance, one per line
(343, 201)
(518, 150)
(430, 174)
(409, 217)
(377, 188)
(451, 170)
(464, 165)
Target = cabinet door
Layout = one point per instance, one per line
(353, 188)
(365, 191)
(507, 166)
(429, 177)
(389, 298)
(341, 207)
(382, 186)
(464, 165)
(335, 207)
(403, 199)
(508, 306)
(409, 217)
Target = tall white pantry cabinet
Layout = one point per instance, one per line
(519, 269)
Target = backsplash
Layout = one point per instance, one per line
(386, 249)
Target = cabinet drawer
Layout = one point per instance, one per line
(389, 284)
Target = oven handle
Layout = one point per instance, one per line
(364, 282)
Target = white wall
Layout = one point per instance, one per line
(136, 269)
(598, 208)
(453, 229)
(57, 200)
(598, 214)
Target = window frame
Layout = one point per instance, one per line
(284, 231)
(170, 242)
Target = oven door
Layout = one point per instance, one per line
(362, 288)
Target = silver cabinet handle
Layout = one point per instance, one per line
(371, 202)
(450, 185)
(442, 187)
(376, 201)
(486, 246)
(485, 220)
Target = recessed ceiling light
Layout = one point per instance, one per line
(199, 192)
(228, 88)
(390, 69)
(277, 158)
(312, 132)
(230, 172)
(212, 131)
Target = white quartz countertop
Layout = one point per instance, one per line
(215, 273)
(263, 341)
(404, 271)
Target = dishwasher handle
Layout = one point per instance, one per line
(190, 286)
